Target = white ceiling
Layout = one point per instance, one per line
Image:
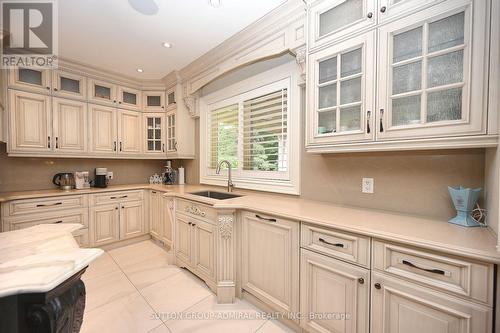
(111, 34)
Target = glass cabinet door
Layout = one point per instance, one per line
(425, 80)
(170, 99)
(392, 9)
(155, 133)
(129, 98)
(153, 100)
(333, 20)
(171, 141)
(31, 79)
(102, 92)
(342, 83)
(70, 85)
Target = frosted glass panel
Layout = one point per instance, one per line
(446, 33)
(345, 13)
(30, 76)
(158, 145)
(154, 101)
(444, 105)
(328, 96)
(350, 118)
(150, 145)
(350, 63)
(150, 122)
(407, 78)
(406, 110)
(150, 134)
(407, 45)
(102, 92)
(70, 85)
(350, 91)
(328, 70)
(327, 122)
(129, 98)
(445, 69)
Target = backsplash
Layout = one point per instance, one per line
(24, 173)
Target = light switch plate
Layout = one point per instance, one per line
(367, 185)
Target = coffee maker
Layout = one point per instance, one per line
(101, 179)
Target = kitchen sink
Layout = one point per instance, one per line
(216, 195)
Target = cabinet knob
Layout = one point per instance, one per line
(361, 281)
(369, 15)
(377, 285)
(190, 223)
(383, 9)
(48, 88)
(55, 89)
(116, 207)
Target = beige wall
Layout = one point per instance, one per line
(22, 173)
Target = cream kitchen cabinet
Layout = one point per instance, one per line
(171, 98)
(154, 134)
(69, 85)
(153, 101)
(30, 79)
(333, 20)
(104, 224)
(335, 296)
(403, 307)
(270, 260)
(155, 206)
(129, 98)
(30, 122)
(168, 213)
(183, 239)
(70, 126)
(429, 93)
(132, 219)
(129, 132)
(170, 133)
(102, 92)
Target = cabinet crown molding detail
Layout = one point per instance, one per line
(225, 226)
(191, 103)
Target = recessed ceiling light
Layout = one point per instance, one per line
(214, 3)
(140, 70)
(167, 44)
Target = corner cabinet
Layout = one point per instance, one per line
(431, 60)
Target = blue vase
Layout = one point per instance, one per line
(465, 200)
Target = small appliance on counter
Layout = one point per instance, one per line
(170, 174)
(101, 179)
(82, 180)
(465, 200)
(65, 180)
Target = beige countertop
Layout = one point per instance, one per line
(477, 243)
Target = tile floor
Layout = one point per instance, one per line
(134, 289)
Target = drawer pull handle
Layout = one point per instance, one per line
(122, 197)
(57, 222)
(265, 218)
(54, 204)
(332, 244)
(435, 271)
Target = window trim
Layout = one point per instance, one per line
(284, 76)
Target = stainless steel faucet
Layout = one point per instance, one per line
(230, 184)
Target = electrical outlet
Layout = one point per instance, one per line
(367, 185)
(109, 175)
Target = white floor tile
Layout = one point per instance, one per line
(176, 293)
(208, 316)
(274, 326)
(136, 253)
(160, 329)
(128, 314)
(106, 288)
(150, 271)
(102, 265)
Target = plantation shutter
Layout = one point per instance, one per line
(223, 124)
(265, 132)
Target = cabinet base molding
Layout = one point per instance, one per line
(125, 242)
(182, 264)
(479, 141)
(226, 293)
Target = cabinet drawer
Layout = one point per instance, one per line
(197, 210)
(113, 197)
(30, 206)
(79, 216)
(448, 273)
(336, 244)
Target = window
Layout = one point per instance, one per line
(252, 130)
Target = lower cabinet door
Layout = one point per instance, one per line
(183, 241)
(204, 248)
(104, 224)
(270, 261)
(155, 214)
(167, 218)
(335, 296)
(131, 219)
(403, 307)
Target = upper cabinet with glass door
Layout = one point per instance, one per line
(30, 79)
(432, 76)
(171, 99)
(129, 98)
(102, 92)
(341, 92)
(392, 9)
(330, 21)
(153, 101)
(69, 85)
